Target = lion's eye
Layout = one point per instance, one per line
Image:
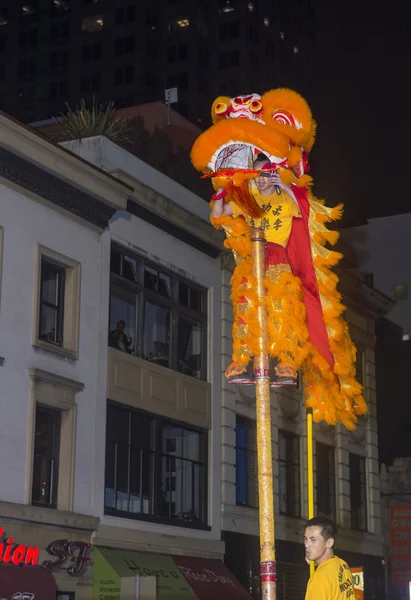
(220, 108)
(283, 117)
(256, 106)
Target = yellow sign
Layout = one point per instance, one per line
(358, 580)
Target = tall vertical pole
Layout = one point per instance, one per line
(263, 417)
(310, 471)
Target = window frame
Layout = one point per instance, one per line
(357, 489)
(71, 311)
(248, 424)
(58, 394)
(158, 423)
(295, 486)
(331, 493)
(172, 303)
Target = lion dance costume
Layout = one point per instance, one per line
(306, 330)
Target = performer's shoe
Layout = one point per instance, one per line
(283, 374)
(239, 374)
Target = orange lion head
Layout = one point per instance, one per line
(278, 124)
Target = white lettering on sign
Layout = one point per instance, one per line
(206, 575)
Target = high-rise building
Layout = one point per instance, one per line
(130, 51)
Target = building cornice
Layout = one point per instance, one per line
(165, 214)
(54, 174)
(361, 297)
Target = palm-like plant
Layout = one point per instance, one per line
(99, 119)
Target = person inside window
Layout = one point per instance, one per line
(119, 339)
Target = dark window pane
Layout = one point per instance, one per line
(325, 480)
(156, 281)
(52, 283)
(358, 492)
(184, 294)
(46, 454)
(246, 462)
(130, 268)
(196, 298)
(156, 344)
(289, 473)
(141, 431)
(118, 424)
(190, 341)
(115, 262)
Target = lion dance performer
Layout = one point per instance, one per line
(256, 154)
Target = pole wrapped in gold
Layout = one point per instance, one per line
(263, 417)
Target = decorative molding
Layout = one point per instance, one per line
(11, 511)
(38, 375)
(38, 181)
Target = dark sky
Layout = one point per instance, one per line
(363, 107)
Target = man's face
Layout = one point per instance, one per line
(316, 547)
(120, 326)
(264, 184)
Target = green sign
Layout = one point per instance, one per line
(110, 565)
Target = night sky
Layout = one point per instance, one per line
(363, 107)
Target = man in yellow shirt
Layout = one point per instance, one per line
(332, 579)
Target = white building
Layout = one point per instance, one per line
(382, 248)
(110, 446)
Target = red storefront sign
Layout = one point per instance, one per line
(17, 554)
(211, 579)
(400, 545)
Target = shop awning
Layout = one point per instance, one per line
(178, 577)
(26, 583)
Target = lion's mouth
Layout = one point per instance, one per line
(237, 155)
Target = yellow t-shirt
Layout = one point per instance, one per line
(279, 209)
(332, 580)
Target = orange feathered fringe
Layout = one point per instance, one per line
(333, 394)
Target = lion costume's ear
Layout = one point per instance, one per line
(220, 108)
(300, 127)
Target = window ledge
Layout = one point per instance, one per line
(56, 349)
(157, 520)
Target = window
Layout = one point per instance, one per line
(52, 289)
(124, 45)
(123, 75)
(227, 60)
(58, 303)
(59, 32)
(90, 83)
(92, 24)
(28, 40)
(53, 410)
(179, 80)
(358, 492)
(246, 462)
(125, 15)
(58, 60)
(91, 52)
(58, 89)
(3, 43)
(289, 473)
(401, 292)
(27, 66)
(157, 315)
(177, 53)
(46, 455)
(155, 468)
(359, 366)
(325, 467)
(228, 31)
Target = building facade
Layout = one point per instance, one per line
(346, 466)
(110, 372)
(53, 52)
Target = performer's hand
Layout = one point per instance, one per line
(274, 179)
